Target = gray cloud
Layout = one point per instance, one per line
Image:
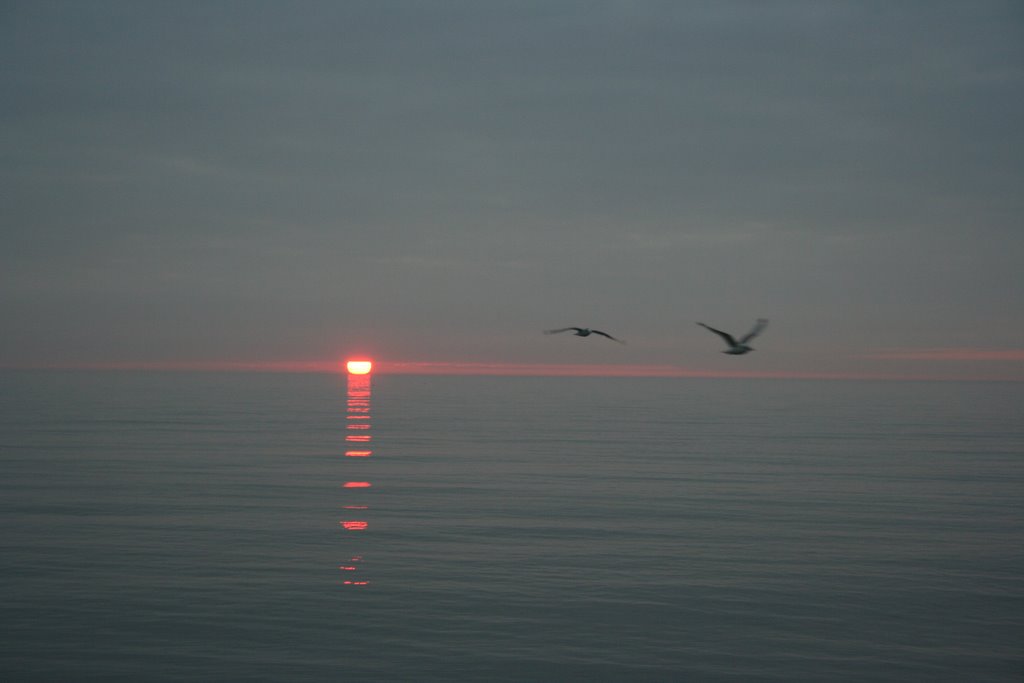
(253, 179)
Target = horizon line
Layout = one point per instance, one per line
(493, 369)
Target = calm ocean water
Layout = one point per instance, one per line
(219, 527)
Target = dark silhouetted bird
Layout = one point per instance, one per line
(583, 332)
(738, 348)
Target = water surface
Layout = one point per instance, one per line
(173, 526)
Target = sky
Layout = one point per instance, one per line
(432, 184)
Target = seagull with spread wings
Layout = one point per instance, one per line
(738, 348)
(583, 332)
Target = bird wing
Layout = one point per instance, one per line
(724, 335)
(564, 329)
(758, 327)
(605, 334)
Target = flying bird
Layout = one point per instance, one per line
(583, 332)
(738, 348)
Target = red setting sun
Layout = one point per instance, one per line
(359, 367)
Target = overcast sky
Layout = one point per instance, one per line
(439, 181)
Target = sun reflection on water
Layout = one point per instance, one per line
(358, 419)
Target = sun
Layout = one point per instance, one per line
(359, 367)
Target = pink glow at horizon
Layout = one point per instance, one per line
(581, 370)
(946, 356)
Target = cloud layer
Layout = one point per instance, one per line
(440, 181)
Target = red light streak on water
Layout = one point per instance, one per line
(354, 524)
(358, 420)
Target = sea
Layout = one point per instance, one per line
(171, 526)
